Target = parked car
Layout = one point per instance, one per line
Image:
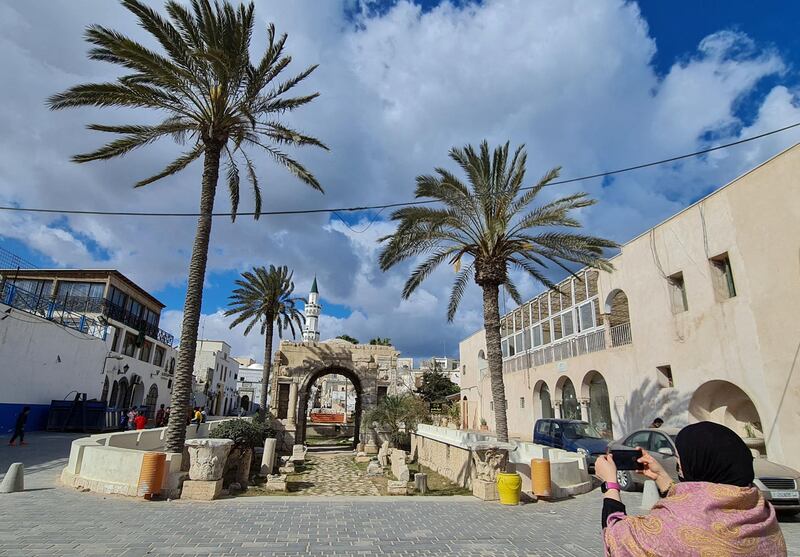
(780, 485)
(570, 435)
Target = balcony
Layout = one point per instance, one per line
(594, 341)
(51, 310)
(118, 313)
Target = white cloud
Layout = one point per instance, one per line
(572, 80)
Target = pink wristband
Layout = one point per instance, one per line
(612, 485)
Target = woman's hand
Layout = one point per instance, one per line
(654, 471)
(605, 469)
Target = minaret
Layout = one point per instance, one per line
(311, 328)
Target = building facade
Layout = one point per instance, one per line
(217, 374)
(251, 375)
(85, 331)
(697, 321)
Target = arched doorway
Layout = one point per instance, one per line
(104, 394)
(595, 389)
(124, 396)
(308, 396)
(151, 401)
(544, 408)
(619, 317)
(570, 409)
(225, 407)
(112, 401)
(137, 392)
(727, 404)
(245, 403)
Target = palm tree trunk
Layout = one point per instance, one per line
(491, 324)
(265, 376)
(182, 387)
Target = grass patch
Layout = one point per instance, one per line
(438, 485)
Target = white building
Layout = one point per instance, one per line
(87, 331)
(251, 374)
(217, 374)
(450, 367)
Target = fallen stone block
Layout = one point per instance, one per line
(276, 482)
(485, 490)
(202, 490)
(374, 468)
(395, 487)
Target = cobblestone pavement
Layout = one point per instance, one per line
(331, 474)
(60, 521)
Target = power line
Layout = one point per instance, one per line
(392, 205)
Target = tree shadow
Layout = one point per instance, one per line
(649, 401)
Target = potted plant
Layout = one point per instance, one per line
(484, 425)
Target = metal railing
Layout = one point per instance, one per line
(621, 334)
(46, 308)
(594, 341)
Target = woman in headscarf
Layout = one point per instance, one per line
(714, 510)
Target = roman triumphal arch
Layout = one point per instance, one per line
(372, 370)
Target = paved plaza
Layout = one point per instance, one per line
(330, 475)
(52, 520)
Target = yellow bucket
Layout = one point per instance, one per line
(509, 487)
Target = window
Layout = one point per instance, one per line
(134, 308)
(491, 406)
(115, 342)
(522, 402)
(659, 441)
(678, 293)
(722, 275)
(144, 353)
(129, 346)
(39, 288)
(543, 427)
(586, 314)
(567, 324)
(158, 359)
(537, 335)
(639, 439)
(519, 344)
(117, 297)
(80, 290)
(665, 377)
(557, 330)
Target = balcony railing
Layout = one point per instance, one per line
(621, 335)
(594, 341)
(49, 309)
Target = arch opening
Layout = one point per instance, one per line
(595, 388)
(570, 409)
(151, 400)
(245, 403)
(543, 408)
(329, 408)
(727, 404)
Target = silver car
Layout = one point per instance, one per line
(780, 485)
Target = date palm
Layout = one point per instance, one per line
(493, 225)
(265, 297)
(217, 102)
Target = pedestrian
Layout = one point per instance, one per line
(198, 417)
(140, 421)
(714, 510)
(123, 420)
(657, 423)
(161, 417)
(131, 418)
(19, 426)
(203, 414)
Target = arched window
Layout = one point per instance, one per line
(112, 403)
(124, 397)
(151, 401)
(104, 394)
(570, 410)
(481, 355)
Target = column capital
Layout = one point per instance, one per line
(584, 401)
(557, 403)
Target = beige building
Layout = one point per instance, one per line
(698, 321)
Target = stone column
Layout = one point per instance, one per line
(268, 458)
(291, 413)
(584, 402)
(557, 409)
(607, 328)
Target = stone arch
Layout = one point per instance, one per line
(567, 397)
(124, 396)
(617, 307)
(304, 392)
(151, 401)
(542, 401)
(727, 404)
(594, 390)
(245, 403)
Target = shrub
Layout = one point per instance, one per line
(243, 433)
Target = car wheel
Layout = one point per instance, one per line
(625, 480)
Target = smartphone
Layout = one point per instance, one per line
(627, 459)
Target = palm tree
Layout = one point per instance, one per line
(214, 100)
(492, 224)
(380, 341)
(266, 297)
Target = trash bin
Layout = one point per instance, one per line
(152, 474)
(540, 477)
(509, 487)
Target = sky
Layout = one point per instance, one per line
(586, 85)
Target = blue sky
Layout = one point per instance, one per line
(400, 84)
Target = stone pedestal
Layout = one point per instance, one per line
(485, 490)
(374, 469)
(276, 482)
(207, 458)
(399, 465)
(298, 453)
(397, 487)
(362, 457)
(268, 458)
(421, 483)
(14, 480)
(243, 472)
(201, 490)
(288, 466)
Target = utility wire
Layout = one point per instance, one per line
(398, 204)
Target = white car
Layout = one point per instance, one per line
(780, 485)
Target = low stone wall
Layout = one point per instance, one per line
(112, 462)
(446, 451)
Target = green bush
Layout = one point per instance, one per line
(244, 433)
